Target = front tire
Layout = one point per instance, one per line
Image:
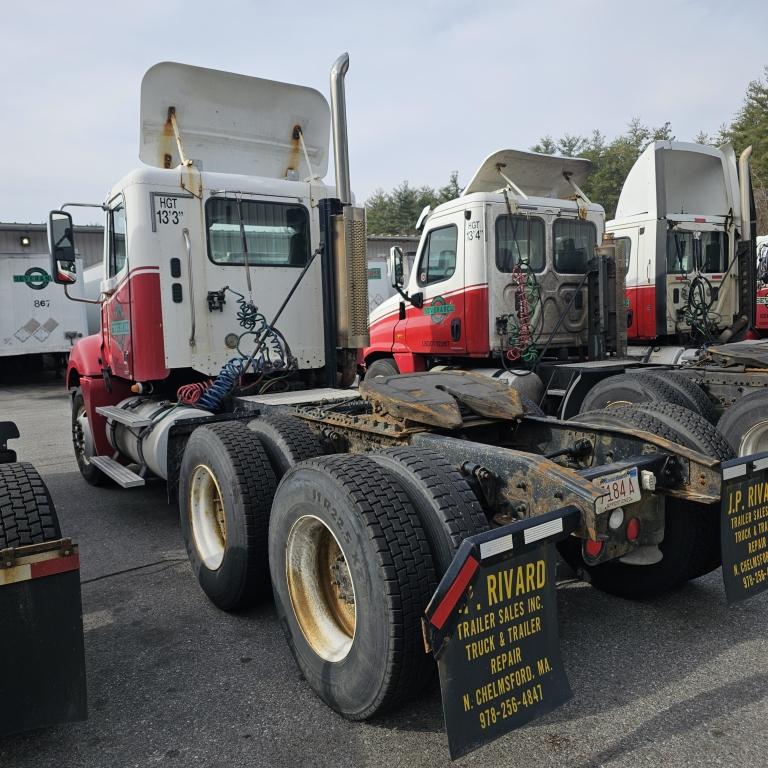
(352, 574)
(226, 487)
(382, 368)
(82, 441)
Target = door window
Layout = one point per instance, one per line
(438, 260)
(117, 247)
(574, 245)
(519, 239)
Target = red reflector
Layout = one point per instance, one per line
(54, 566)
(633, 529)
(699, 219)
(454, 593)
(593, 548)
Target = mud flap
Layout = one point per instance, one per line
(492, 626)
(744, 526)
(42, 664)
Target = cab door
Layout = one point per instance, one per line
(438, 326)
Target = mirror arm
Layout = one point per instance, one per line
(83, 301)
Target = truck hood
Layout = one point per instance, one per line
(535, 174)
(232, 123)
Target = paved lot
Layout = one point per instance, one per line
(173, 681)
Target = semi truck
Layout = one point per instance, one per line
(517, 295)
(233, 306)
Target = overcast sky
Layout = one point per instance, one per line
(432, 86)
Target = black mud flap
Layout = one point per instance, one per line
(744, 526)
(42, 664)
(492, 626)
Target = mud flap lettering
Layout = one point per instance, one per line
(744, 526)
(492, 626)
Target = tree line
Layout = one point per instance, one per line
(396, 212)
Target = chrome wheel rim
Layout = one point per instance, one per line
(82, 437)
(755, 439)
(206, 517)
(321, 588)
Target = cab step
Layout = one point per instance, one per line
(123, 476)
(122, 416)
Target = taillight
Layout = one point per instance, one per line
(593, 548)
(633, 529)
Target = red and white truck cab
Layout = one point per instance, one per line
(678, 217)
(522, 231)
(202, 245)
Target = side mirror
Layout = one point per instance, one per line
(395, 266)
(61, 247)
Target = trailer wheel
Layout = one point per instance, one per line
(27, 514)
(82, 441)
(445, 504)
(691, 531)
(384, 366)
(352, 574)
(629, 389)
(745, 424)
(286, 439)
(226, 487)
(690, 393)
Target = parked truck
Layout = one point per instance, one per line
(233, 305)
(519, 295)
(35, 318)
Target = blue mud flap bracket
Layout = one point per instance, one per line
(492, 626)
(744, 526)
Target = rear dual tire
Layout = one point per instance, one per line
(352, 573)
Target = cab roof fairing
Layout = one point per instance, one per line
(232, 123)
(674, 177)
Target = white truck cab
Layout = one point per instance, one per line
(678, 217)
(522, 230)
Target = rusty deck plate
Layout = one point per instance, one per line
(434, 398)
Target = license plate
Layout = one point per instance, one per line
(621, 488)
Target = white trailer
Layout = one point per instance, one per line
(35, 317)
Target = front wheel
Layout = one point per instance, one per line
(82, 441)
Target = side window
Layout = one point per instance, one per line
(117, 247)
(574, 245)
(519, 239)
(626, 246)
(438, 259)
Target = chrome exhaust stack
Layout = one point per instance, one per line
(339, 127)
(745, 183)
